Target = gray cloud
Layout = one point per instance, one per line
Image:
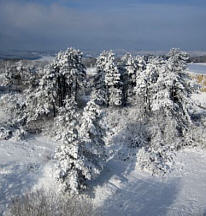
(145, 26)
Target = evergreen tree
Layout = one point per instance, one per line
(172, 91)
(92, 143)
(141, 65)
(19, 76)
(69, 163)
(109, 79)
(145, 79)
(141, 81)
(177, 60)
(128, 67)
(70, 74)
(82, 155)
(166, 92)
(62, 79)
(164, 89)
(13, 73)
(100, 91)
(41, 101)
(113, 80)
(67, 119)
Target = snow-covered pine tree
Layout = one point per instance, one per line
(71, 74)
(140, 79)
(62, 79)
(69, 164)
(166, 91)
(141, 64)
(173, 89)
(42, 98)
(82, 155)
(128, 67)
(178, 60)
(165, 86)
(19, 76)
(112, 80)
(92, 143)
(13, 73)
(146, 76)
(100, 90)
(67, 119)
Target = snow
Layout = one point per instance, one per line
(198, 68)
(124, 190)
(191, 196)
(200, 99)
(21, 165)
(91, 71)
(45, 59)
(121, 189)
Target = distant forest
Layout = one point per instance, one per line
(198, 59)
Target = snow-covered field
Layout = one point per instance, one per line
(128, 191)
(121, 189)
(199, 68)
(45, 58)
(21, 165)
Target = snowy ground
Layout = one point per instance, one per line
(200, 99)
(125, 190)
(21, 165)
(122, 189)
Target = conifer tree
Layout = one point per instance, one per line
(92, 143)
(128, 67)
(113, 80)
(81, 156)
(110, 78)
(71, 74)
(165, 89)
(100, 91)
(145, 79)
(67, 119)
(174, 88)
(62, 79)
(177, 60)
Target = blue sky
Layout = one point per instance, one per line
(102, 24)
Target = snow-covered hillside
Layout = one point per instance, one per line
(21, 165)
(125, 190)
(122, 189)
(131, 134)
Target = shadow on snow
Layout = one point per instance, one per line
(131, 193)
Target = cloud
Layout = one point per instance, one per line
(29, 25)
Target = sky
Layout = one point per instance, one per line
(102, 24)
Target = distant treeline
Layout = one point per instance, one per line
(198, 59)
